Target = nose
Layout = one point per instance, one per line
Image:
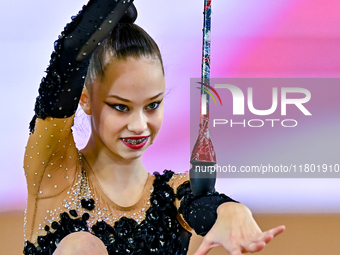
(137, 123)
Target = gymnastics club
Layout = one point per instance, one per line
(203, 156)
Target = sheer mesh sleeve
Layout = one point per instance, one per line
(51, 164)
(48, 156)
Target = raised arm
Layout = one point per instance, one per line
(60, 90)
(51, 157)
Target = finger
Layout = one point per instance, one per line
(265, 237)
(204, 248)
(255, 247)
(277, 230)
(261, 237)
(234, 250)
(268, 235)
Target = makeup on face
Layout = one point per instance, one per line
(135, 142)
(127, 108)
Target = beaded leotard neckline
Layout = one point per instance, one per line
(157, 233)
(135, 211)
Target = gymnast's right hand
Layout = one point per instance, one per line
(61, 88)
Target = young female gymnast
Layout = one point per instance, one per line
(101, 200)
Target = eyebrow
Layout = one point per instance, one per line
(127, 101)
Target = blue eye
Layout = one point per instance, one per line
(153, 106)
(120, 107)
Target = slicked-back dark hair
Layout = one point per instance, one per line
(126, 40)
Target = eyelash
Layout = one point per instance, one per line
(116, 106)
(157, 105)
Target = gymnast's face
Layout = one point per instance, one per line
(126, 106)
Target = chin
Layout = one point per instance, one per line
(132, 155)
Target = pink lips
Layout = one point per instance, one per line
(135, 146)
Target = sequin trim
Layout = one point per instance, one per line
(158, 233)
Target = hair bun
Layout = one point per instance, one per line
(130, 15)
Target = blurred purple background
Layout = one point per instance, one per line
(262, 38)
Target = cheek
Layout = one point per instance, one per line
(113, 123)
(98, 120)
(96, 111)
(158, 121)
(106, 123)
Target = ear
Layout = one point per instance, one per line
(85, 101)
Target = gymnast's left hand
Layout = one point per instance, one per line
(236, 230)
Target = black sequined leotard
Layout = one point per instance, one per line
(64, 198)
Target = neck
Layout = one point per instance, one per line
(110, 168)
